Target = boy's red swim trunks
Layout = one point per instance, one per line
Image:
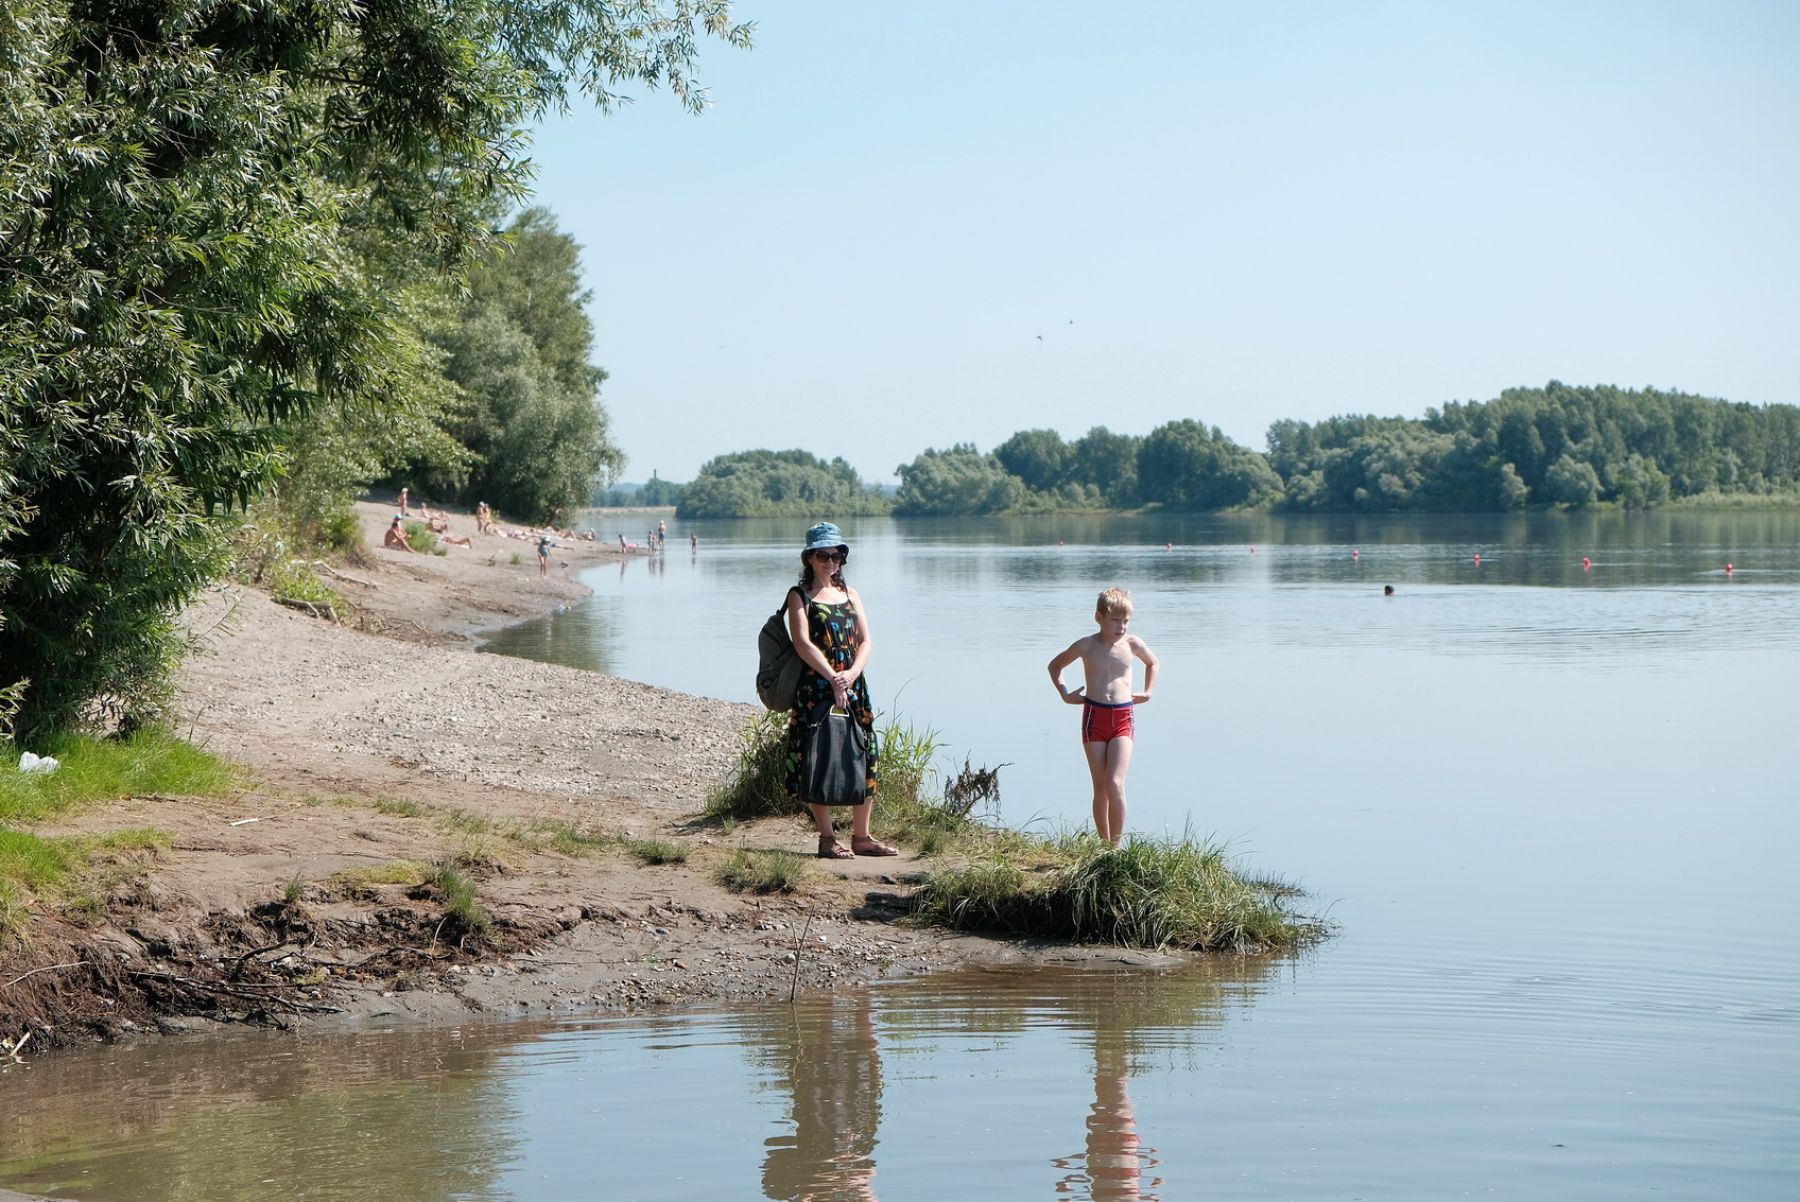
(1103, 721)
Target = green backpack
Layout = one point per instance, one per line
(778, 665)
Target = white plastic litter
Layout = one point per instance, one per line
(38, 763)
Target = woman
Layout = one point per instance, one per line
(830, 629)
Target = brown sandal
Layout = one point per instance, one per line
(831, 849)
(870, 846)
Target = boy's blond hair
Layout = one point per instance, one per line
(1113, 602)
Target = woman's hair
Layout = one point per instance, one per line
(806, 569)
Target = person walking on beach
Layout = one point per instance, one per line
(1107, 730)
(829, 625)
(543, 555)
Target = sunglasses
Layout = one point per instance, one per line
(830, 556)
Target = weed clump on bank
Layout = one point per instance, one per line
(1151, 892)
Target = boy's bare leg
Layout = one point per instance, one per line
(1118, 763)
(1099, 773)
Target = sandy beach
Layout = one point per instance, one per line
(386, 738)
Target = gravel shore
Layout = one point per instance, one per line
(384, 740)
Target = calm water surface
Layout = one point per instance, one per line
(1551, 807)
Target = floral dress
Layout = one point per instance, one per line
(835, 630)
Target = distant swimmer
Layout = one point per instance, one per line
(1387, 590)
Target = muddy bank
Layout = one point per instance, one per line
(380, 747)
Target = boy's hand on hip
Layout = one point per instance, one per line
(1075, 696)
(1139, 698)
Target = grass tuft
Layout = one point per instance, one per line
(1151, 892)
(762, 871)
(656, 851)
(467, 918)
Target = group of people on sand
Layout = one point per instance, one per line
(828, 622)
(438, 522)
(546, 538)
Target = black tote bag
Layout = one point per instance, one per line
(835, 766)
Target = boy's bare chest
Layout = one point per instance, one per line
(1110, 659)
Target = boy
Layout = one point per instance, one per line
(1106, 700)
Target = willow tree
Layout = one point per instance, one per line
(187, 192)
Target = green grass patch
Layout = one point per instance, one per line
(74, 871)
(400, 807)
(745, 871)
(94, 770)
(1151, 892)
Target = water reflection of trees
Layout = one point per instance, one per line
(397, 1116)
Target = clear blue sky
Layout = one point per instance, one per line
(1230, 212)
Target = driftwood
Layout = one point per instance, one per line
(239, 991)
(321, 609)
(46, 968)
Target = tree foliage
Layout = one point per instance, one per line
(776, 484)
(193, 194)
(531, 420)
(959, 480)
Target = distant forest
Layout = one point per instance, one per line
(1552, 446)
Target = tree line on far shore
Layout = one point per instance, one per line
(1556, 445)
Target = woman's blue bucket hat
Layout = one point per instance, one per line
(823, 537)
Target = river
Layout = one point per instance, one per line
(1547, 794)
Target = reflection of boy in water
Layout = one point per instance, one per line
(1114, 1160)
(833, 1066)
